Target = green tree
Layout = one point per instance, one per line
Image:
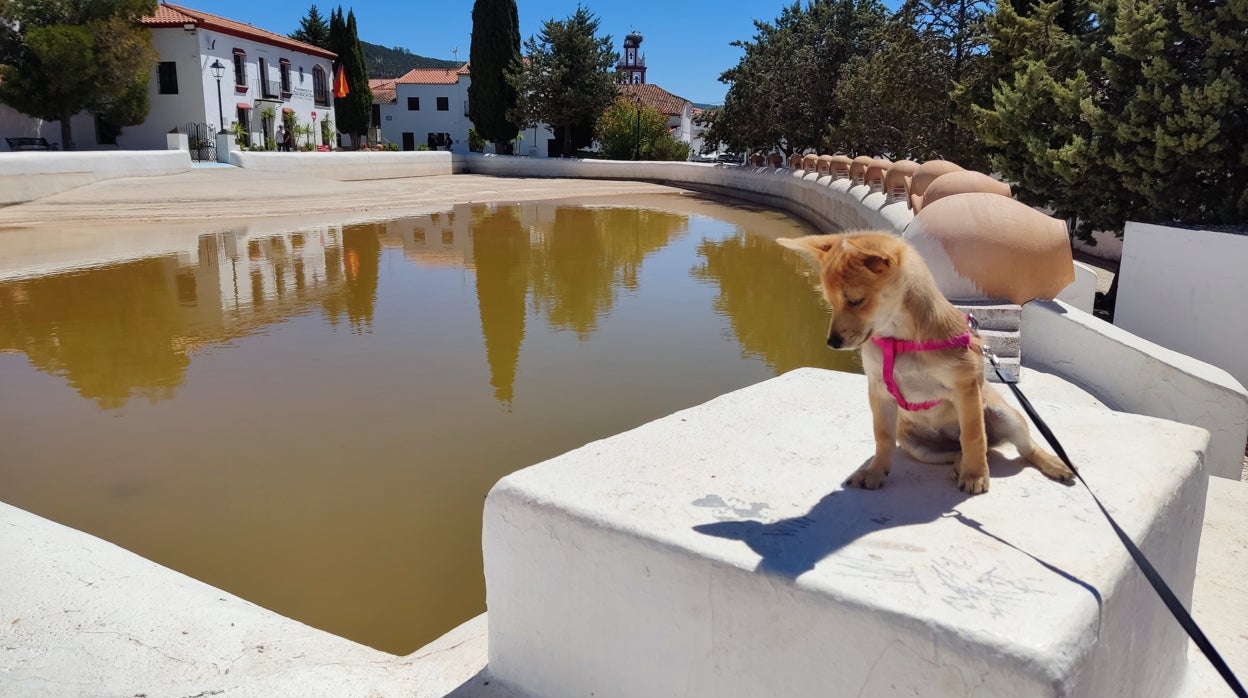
(495, 48)
(1140, 113)
(567, 81)
(627, 131)
(1170, 117)
(953, 46)
(781, 93)
(313, 29)
(61, 58)
(890, 103)
(354, 111)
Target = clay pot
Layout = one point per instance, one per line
(964, 182)
(924, 176)
(839, 166)
(775, 160)
(995, 245)
(874, 177)
(825, 164)
(858, 169)
(795, 161)
(897, 180)
(810, 162)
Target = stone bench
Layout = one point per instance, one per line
(714, 552)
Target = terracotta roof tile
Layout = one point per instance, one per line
(655, 97)
(169, 15)
(432, 76)
(383, 90)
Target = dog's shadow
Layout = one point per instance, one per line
(914, 494)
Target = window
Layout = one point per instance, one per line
(267, 87)
(413, 103)
(167, 77)
(444, 103)
(284, 65)
(320, 88)
(240, 70)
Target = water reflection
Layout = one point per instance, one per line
(323, 415)
(125, 329)
(765, 292)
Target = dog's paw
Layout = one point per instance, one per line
(972, 481)
(867, 478)
(1052, 466)
(974, 484)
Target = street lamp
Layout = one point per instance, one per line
(218, 71)
(637, 128)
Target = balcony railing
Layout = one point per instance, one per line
(270, 89)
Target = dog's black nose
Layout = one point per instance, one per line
(835, 340)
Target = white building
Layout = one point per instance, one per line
(426, 106)
(429, 106)
(262, 75)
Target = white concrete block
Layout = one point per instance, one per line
(715, 553)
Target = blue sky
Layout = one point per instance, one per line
(686, 44)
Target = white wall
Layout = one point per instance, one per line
(1132, 374)
(420, 123)
(352, 165)
(1187, 290)
(32, 175)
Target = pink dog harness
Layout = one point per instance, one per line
(891, 346)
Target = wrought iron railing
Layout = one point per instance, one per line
(201, 139)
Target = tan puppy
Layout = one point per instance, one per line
(938, 407)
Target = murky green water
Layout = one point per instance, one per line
(311, 420)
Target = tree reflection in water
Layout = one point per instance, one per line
(766, 294)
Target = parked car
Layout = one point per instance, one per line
(732, 158)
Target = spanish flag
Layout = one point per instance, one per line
(340, 83)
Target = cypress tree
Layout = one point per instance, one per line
(354, 111)
(495, 48)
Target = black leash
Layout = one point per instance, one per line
(1150, 573)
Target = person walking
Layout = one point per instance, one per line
(281, 138)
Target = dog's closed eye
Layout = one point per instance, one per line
(854, 302)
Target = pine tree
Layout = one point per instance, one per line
(312, 30)
(54, 63)
(495, 48)
(1139, 115)
(353, 112)
(568, 80)
(1173, 116)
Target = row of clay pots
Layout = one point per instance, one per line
(978, 240)
(903, 180)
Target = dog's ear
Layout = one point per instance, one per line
(812, 247)
(876, 257)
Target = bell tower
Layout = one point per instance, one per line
(632, 65)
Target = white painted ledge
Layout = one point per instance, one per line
(714, 553)
(1135, 375)
(83, 617)
(351, 165)
(25, 176)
